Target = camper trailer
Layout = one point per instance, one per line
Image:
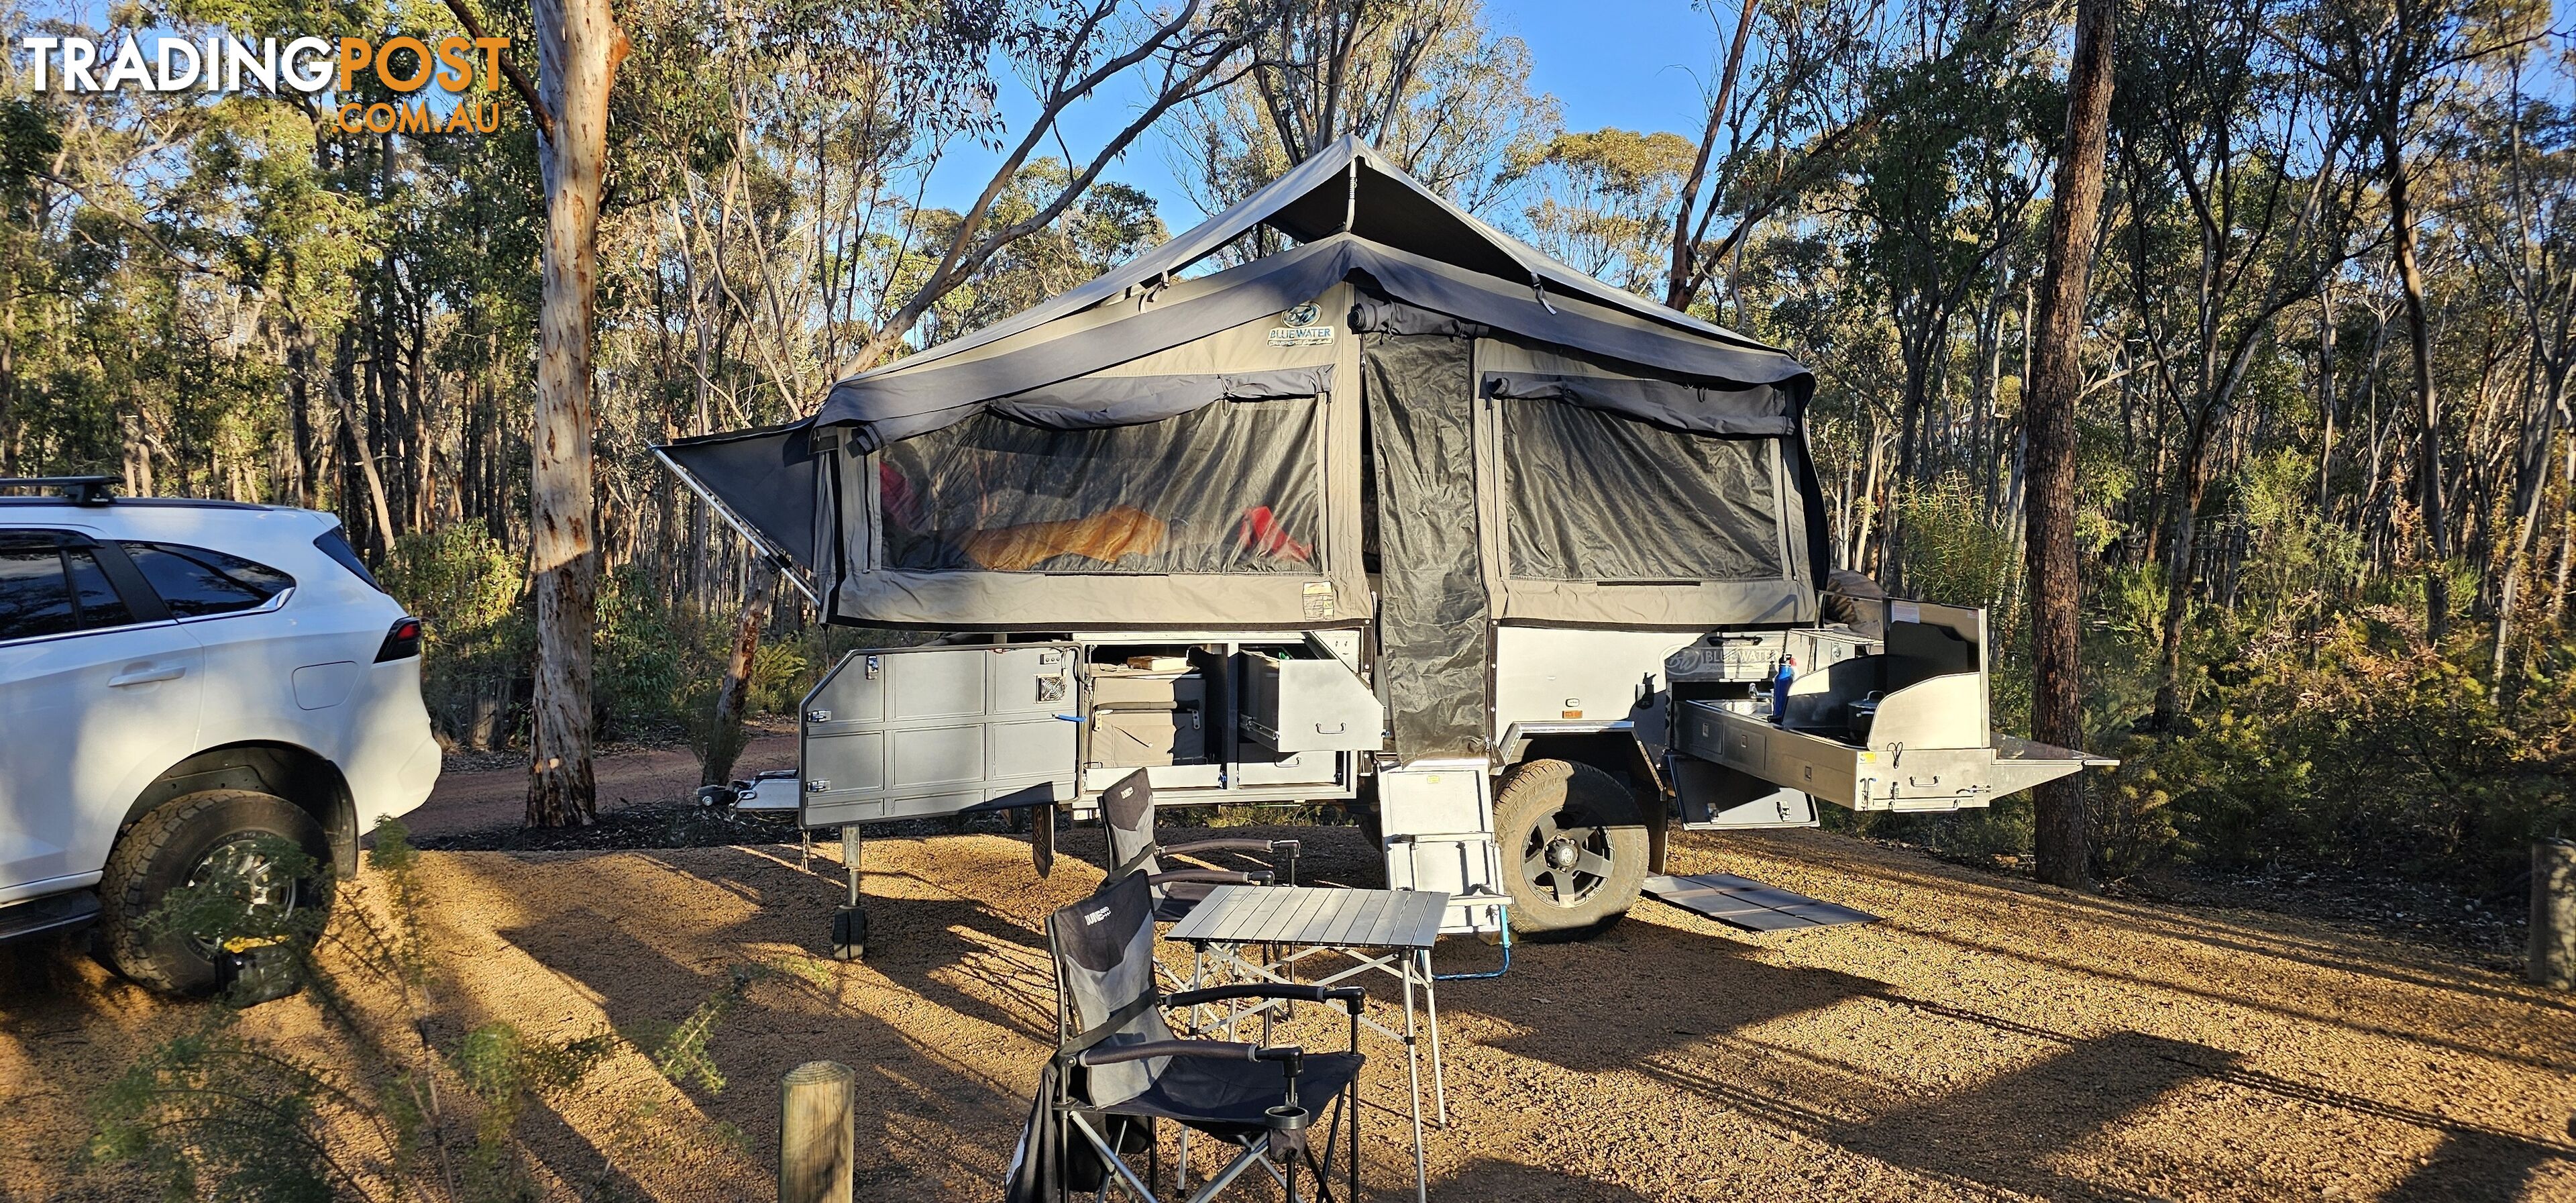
(1403, 515)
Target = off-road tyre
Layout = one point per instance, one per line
(160, 851)
(1543, 804)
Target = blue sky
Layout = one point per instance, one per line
(1630, 63)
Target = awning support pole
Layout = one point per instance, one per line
(786, 565)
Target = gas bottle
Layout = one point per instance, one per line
(1780, 686)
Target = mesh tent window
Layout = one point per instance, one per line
(1597, 496)
(1235, 487)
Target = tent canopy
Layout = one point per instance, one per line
(1149, 449)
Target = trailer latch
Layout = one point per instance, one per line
(872, 668)
(817, 785)
(818, 716)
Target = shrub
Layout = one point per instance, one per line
(222, 1113)
(479, 634)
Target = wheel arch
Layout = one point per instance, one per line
(298, 774)
(1615, 750)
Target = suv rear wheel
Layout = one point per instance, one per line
(210, 838)
(1574, 848)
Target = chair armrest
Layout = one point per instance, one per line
(1216, 877)
(1349, 996)
(1229, 1050)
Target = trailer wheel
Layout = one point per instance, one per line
(1574, 849)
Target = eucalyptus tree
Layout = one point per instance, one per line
(2512, 196)
(1429, 83)
(1959, 154)
(2063, 840)
(1787, 112)
(2397, 61)
(2239, 204)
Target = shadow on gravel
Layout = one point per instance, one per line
(913, 1097)
(2473, 1167)
(1490, 1179)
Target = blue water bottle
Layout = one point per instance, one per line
(1780, 686)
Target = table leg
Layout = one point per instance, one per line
(1413, 1069)
(1431, 1004)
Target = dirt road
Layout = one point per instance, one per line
(477, 792)
(1987, 1040)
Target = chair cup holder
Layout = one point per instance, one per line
(1288, 1130)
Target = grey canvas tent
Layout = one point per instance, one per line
(1406, 417)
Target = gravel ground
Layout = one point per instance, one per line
(1987, 1039)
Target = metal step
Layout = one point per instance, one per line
(1748, 904)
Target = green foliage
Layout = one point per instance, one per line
(211, 1115)
(479, 631)
(223, 1113)
(2365, 750)
(1954, 552)
(680, 1050)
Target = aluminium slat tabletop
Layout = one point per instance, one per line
(1316, 916)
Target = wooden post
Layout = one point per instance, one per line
(816, 1143)
(2553, 914)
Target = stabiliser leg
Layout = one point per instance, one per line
(849, 923)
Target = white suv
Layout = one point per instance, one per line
(179, 679)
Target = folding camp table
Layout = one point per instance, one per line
(1390, 931)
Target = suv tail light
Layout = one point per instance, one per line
(402, 642)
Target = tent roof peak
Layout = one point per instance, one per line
(1347, 187)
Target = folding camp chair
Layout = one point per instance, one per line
(1118, 1071)
(1127, 811)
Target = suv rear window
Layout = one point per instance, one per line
(335, 544)
(55, 591)
(196, 582)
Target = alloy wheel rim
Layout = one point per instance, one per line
(243, 871)
(1567, 862)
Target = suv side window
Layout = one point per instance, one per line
(197, 582)
(49, 590)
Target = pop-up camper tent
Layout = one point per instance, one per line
(1406, 416)
(1406, 498)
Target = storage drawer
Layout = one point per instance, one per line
(1308, 703)
(1260, 766)
(1128, 688)
(1143, 738)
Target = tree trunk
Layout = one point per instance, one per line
(578, 49)
(1681, 279)
(2181, 551)
(2428, 463)
(724, 741)
(378, 511)
(2063, 836)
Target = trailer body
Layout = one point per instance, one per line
(1405, 517)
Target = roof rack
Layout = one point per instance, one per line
(79, 490)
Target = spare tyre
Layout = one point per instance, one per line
(1574, 848)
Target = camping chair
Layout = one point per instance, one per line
(1127, 811)
(1118, 1072)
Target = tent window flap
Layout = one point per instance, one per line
(1593, 496)
(1230, 488)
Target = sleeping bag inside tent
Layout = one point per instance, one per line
(1406, 418)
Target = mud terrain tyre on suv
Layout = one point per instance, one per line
(212, 838)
